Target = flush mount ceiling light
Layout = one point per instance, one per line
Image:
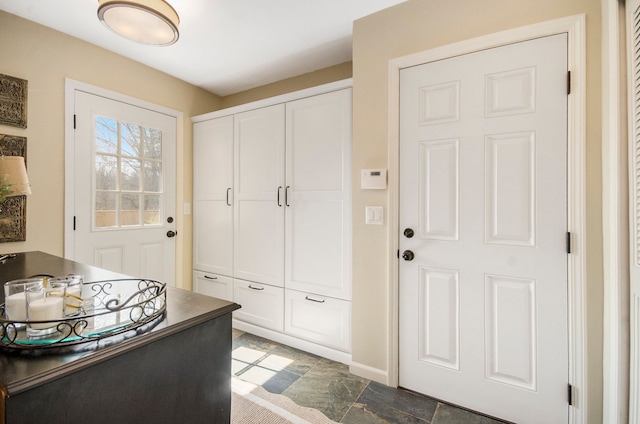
(146, 21)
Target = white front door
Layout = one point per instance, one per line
(124, 188)
(483, 189)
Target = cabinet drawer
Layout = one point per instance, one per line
(261, 304)
(213, 285)
(318, 319)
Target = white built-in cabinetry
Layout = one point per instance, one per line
(272, 216)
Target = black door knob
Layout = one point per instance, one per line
(408, 255)
(171, 233)
(408, 232)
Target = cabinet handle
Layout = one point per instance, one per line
(286, 196)
(255, 288)
(279, 188)
(314, 300)
(210, 278)
(228, 190)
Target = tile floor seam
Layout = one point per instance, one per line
(355, 401)
(435, 413)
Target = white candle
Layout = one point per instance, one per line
(45, 309)
(74, 300)
(15, 307)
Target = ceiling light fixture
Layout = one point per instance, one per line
(145, 21)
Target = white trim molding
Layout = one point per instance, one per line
(574, 27)
(615, 222)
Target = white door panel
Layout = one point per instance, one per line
(124, 159)
(483, 305)
(259, 142)
(213, 196)
(318, 195)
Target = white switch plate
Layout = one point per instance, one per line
(186, 208)
(374, 215)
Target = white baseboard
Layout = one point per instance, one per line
(276, 336)
(370, 373)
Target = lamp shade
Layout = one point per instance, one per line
(14, 173)
(145, 21)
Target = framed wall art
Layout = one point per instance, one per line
(13, 101)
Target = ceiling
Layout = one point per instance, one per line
(225, 46)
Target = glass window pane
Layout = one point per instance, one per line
(153, 176)
(152, 208)
(131, 143)
(129, 209)
(106, 135)
(105, 209)
(153, 143)
(106, 172)
(130, 175)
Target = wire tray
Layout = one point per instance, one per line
(109, 308)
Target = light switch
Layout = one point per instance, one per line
(374, 215)
(186, 208)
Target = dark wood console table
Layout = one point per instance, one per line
(178, 372)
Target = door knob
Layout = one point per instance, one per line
(408, 232)
(171, 233)
(408, 255)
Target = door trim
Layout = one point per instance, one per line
(70, 87)
(615, 218)
(574, 26)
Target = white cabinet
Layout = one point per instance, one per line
(258, 253)
(213, 196)
(262, 304)
(213, 285)
(318, 319)
(272, 216)
(318, 192)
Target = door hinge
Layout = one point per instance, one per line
(568, 243)
(570, 394)
(74, 121)
(398, 253)
(568, 82)
(74, 223)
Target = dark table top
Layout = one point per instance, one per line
(19, 372)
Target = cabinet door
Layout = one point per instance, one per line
(261, 304)
(213, 285)
(259, 198)
(318, 216)
(213, 196)
(318, 319)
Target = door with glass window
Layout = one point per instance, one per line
(124, 188)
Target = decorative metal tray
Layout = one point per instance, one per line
(109, 308)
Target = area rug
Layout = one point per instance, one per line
(253, 404)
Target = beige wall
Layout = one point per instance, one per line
(311, 79)
(45, 58)
(419, 25)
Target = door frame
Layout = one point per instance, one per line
(574, 27)
(70, 87)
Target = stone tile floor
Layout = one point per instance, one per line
(328, 386)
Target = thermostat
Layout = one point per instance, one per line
(373, 179)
